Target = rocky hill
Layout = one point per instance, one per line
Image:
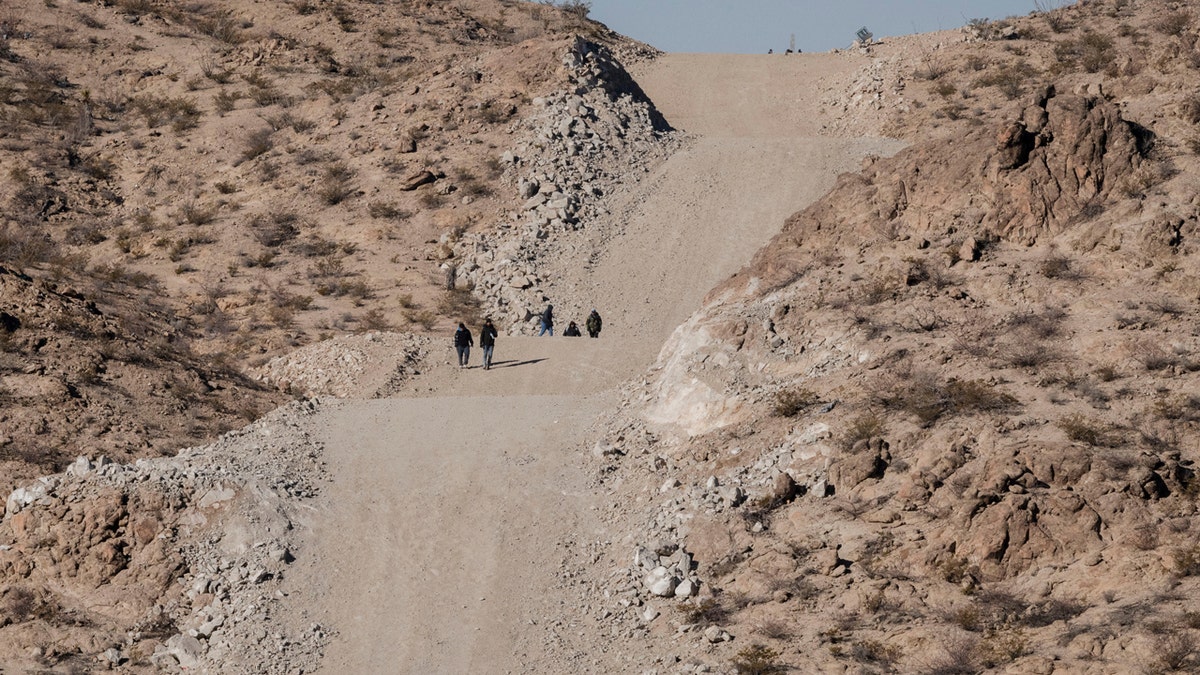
(947, 421)
(220, 183)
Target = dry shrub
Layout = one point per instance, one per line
(180, 112)
(707, 611)
(929, 398)
(1174, 23)
(862, 428)
(461, 303)
(1058, 266)
(375, 320)
(1187, 560)
(1175, 651)
(757, 659)
(1009, 78)
(387, 211)
(257, 143)
(873, 651)
(275, 229)
(774, 629)
(1092, 52)
(337, 184)
(1087, 431)
(1178, 408)
(790, 402)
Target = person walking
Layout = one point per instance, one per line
(594, 323)
(547, 321)
(572, 330)
(487, 342)
(462, 344)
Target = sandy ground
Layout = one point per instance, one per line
(452, 510)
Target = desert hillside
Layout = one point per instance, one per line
(899, 370)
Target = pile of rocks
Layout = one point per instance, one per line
(876, 93)
(196, 581)
(370, 365)
(578, 147)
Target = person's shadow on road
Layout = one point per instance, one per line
(514, 364)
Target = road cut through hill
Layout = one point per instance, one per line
(459, 514)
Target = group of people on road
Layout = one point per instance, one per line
(546, 324)
(463, 340)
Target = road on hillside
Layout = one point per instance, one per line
(436, 547)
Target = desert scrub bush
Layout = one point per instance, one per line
(197, 214)
(790, 402)
(1087, 431)
(1092, 52)
(462, 303)
(1044, 323)
(421, 317)
(337, 184)
(374, 320)
(1175, 651)
(225, 101)
(1009, 78)
(1177, 408)
(705, 611)
(873, 651)
(275, 229)
(1058, 266)
(757, 659)
(257, 144)
(180, 112)
(1001, 646)
(387, 211)
(864, 427)
(1174, 24)
(1187, 560)
(929, 398)
(1029, 354)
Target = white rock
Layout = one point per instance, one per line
(660, 582)
(686, 589)
(715, 634)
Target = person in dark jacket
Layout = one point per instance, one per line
(462, 344)
(594, 323)
(547, 321)
(487, 342)
(572, 330)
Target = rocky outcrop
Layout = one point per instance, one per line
(579, 146)
(166, 562)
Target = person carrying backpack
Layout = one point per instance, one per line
(547, 321)
(594, 323)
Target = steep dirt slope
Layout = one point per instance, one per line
(466, 509)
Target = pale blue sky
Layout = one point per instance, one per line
(754, 26)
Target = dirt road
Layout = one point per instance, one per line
(457, 516)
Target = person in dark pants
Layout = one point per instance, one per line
(487, 342)
(462, 344)
(547, 321)
(572, 330)
(594, 323)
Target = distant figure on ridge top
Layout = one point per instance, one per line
(487, 342)
(572, 330)
(462, 344)
(547, 321)
(594, 323)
